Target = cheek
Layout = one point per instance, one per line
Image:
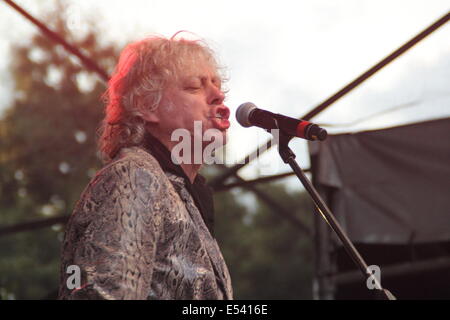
(182, 110)
(169, 108)
(190, 111)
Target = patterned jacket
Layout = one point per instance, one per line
(136, 233)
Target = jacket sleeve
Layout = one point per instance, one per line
(112, 234)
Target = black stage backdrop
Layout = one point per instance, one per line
(390, 190)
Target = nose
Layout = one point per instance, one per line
(216, 95)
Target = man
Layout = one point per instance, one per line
(143, 226)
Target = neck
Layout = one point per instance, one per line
(190, 169)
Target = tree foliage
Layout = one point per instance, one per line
(268, 257)
(47, 151)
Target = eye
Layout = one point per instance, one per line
(192, 85)
(192, 88)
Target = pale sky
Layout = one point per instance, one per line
(286, 56)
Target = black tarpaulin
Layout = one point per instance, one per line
(390, 185)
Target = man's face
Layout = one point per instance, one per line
(196, 96)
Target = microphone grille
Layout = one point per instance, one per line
(243, 113)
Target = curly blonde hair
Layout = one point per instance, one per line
(144, 70)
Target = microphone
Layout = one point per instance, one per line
(249, 115)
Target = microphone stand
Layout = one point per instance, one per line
(288, 157)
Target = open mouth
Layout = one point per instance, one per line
(220, 118)
(222, 113)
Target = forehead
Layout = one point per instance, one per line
(199, 69)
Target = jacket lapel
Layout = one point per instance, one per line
(210, 244)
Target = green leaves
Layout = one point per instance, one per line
(47, 153)
(267, 256)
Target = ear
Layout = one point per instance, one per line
(151, 116)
